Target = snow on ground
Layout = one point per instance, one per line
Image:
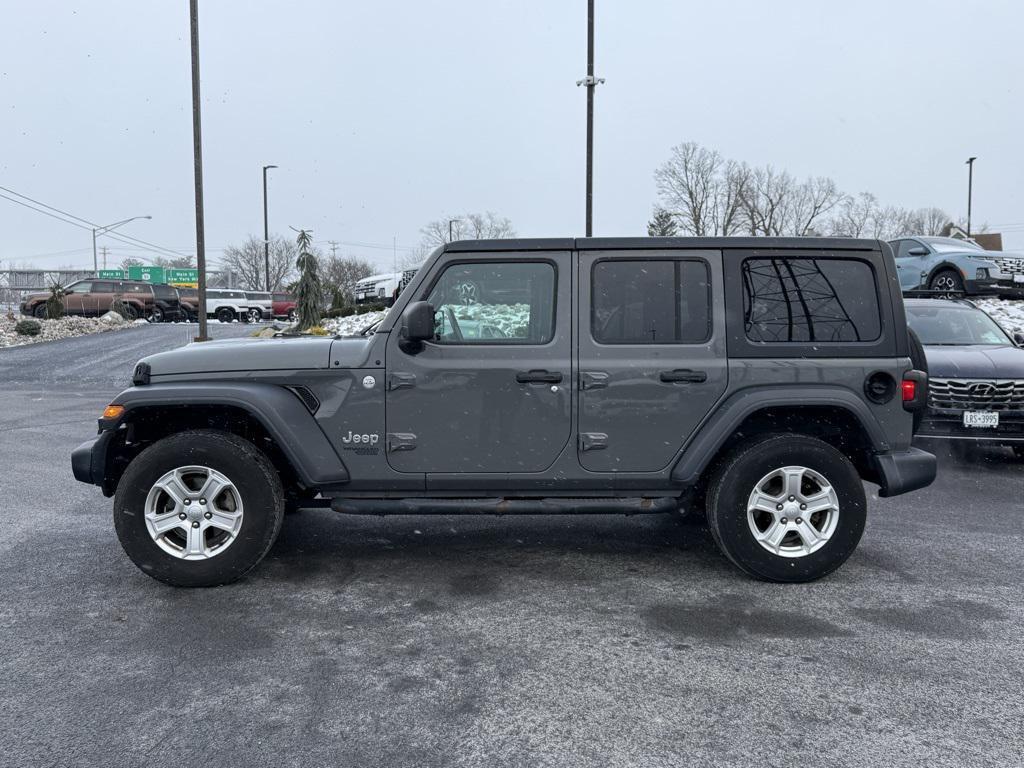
(1008, 313)
(65, 328)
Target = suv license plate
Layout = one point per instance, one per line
(981, 418)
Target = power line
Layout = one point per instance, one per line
(91, 224)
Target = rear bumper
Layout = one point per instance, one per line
(904, 471)
(89, 460)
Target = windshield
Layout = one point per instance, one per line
(954, 326)
(949, 244)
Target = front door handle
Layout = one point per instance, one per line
(538, 376)
(683, 375)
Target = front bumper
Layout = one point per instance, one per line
(904, 471)
(1011, 288)
(89, 460)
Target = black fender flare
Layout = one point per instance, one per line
(712, 435)
(280, 411)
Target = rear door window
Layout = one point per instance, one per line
(806, 300)
(650, 302)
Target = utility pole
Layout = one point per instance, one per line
(102, 231)
(266, 228)
(334, 247)
(591, 83)
(197, 149)
(104, 257)
(970, 185)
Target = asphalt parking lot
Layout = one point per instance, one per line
(442, 641)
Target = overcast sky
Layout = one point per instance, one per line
(384, 115)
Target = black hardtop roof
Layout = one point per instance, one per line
(663, 243)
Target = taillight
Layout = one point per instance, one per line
(909, 389)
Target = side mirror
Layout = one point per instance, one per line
(1018, 339)
(418, 321)
(918, 251)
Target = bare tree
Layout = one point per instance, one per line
(179, 262)
(810, 202)
(468, 226)
(688, 184)
(247, 262)
(339, 275)
(131, 262)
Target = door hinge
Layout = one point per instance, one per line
(593, 441)
(401, 441)
(401, 381)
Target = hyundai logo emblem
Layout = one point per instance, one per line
(982, 391)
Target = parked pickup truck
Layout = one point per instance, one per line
(761, 380)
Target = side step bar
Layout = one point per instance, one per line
(492, 506)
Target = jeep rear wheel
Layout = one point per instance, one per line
(225, 315)
(157, 315)
(786, 508)
(199, 508)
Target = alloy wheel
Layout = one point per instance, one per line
(793, 511)
(193, 512)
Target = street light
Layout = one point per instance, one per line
(103, 231)
(970, 184)
(450, 222)
(266, 229)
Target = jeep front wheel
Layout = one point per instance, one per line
(786, 508)
(199, 508)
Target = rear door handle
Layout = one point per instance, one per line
(538, 377)
(683, 375)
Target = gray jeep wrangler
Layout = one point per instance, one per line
(760, 379)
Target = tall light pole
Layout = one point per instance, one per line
(970, 185)
(103, 230)
(591, 83)
(266, 228)
(197, 151)
(450, 222)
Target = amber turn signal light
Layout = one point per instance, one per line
(113, 411)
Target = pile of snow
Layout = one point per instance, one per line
(351, 325)
(65, 328)
(1009, 313)
(112, 318)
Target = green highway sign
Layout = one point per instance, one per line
(148, 274)
(111, 274)
(179, 276)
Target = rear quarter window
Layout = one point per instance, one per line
(806, 300)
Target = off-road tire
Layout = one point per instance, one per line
(254, 477)
(225, 314)
(738, 473)
(39, 311)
